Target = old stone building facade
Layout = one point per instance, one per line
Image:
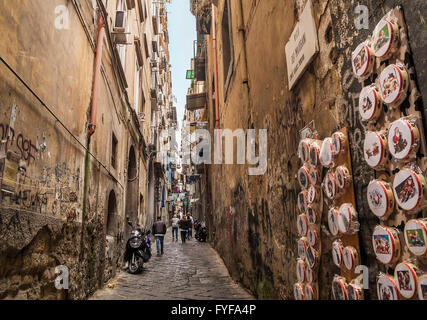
(85, 86)
(252, 219)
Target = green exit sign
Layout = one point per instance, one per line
(190, 74)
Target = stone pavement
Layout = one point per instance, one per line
(186, 271)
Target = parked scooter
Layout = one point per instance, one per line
(138, 249)
(201, 231)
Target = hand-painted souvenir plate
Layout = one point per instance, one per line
(337, 253)
(408, 189)
(303, 177)
(386, 288)
(301, 267)
(327, 153)
(310, 292)
(302, 201)
(302, 247)
(362, 60)
(380, 199)
(393, 84)
(314, 154)
(385, 37)
(350, 257)
(312, 257)
(312, 237)
(310, 275)
(406, 277)
(374, 149)
(402, 139)
(354, 292)
(339, 291)
(339, 139)
(347, 217)
(304, 150)
(313, 195)
(416, 236)
(314, 176)
(311, 215)
(333, 221)
(386, 244)
(342, 174)
(302, 225)
(422, 287)
(370, 103)
(298, 291)
(330, 186)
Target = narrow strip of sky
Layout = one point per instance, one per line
(182, 33)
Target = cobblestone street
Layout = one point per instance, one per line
(186, 271)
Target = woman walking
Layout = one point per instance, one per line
(183, 227)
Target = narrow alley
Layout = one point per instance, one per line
(190, 271)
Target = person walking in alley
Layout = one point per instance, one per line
(183, 226)
(175, 222)
(190, 227)
(159, 231)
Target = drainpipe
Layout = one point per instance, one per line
(215, 67)
(98, 59)
(91, 127)
(242, 34)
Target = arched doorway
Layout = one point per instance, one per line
(111, 214)
(132, 193)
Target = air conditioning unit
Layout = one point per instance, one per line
(119, 29)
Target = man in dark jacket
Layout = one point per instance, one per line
(159, 231)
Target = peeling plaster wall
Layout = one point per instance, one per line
(253, 218)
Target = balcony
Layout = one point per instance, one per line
(196, 101)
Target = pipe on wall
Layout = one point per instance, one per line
(97, 70)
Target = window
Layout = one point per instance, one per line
(136, 86)
(227, 45)
(121, 6)
(114, 144)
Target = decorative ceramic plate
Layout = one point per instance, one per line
(312, 237)
(337, 253)
(406, 278)
(338, 141)
(350, 257)
(312, 257)
(386, 244)
(301, 276)
(327, 153)
(333, 221)
(302, 247)
(343, 177)
(298, 291)
(370, 103)
(380, 198)
(402, 137)
(302, 225)
(304, 150)
(416, 237)
(313, 195)
(310, 292)
(314, 154)
(385, 37)
(374, 149)
(386, 288)
(314, 176)
(362, 60)
(422, 287)
(408, 189)
(354, 292)
(393, 84)
(347, 217)
(339, 291)
(311, 215)
(303, 177)
(330, 186)
(302, 201)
